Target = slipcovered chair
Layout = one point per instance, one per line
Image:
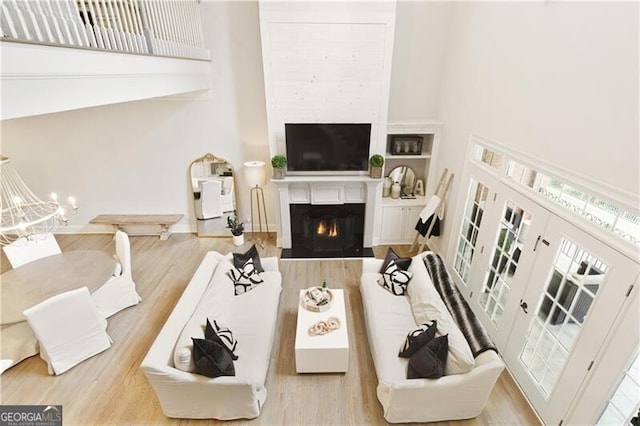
(119, 292)
(208, 204)
(25, 250)
(69, 329)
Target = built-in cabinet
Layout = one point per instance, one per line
(398, 223)
(412, 146)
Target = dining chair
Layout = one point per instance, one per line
(28, 249)
(69, 329)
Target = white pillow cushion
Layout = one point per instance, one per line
(214, 304)
(427, 305)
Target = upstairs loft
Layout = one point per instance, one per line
(60, 55)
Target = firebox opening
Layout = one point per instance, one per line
(327, 230)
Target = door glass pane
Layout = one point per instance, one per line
(624, 405)
(506, 254)
(571, 289)
(476, 201)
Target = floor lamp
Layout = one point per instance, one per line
(254, 177)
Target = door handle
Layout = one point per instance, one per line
(524, 306)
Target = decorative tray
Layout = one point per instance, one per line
(316, 299)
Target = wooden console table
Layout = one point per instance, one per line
(164, 221)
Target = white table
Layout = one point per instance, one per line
(327, 353)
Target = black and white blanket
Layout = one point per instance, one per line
(473, 331)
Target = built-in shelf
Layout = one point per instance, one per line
(403, 202)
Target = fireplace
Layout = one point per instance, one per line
(327, 230)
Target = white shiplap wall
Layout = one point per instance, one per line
(327, 63)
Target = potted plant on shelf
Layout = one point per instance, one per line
(375, 166)
(237, 230)
(279, 164)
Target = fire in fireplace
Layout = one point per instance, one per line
(327, 230)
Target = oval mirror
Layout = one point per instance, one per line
(405, 176)
(214, 194)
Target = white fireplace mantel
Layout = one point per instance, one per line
(328, 189)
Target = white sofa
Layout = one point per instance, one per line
(389, 319)
(251, 317)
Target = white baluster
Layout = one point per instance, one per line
(88, 28)
(166, 14)
(43, 21)
(177, 31)
(151, 27)
(53, 22)
(186, 31)
(18, 18)
(106, 19)
(137, 21)
(102, 25)
(7, 22)
(113, 24)
(97, 29)
(64, 25)
(70, 8)
(31, 20)
(127, 25)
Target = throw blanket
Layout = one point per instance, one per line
(473, 331)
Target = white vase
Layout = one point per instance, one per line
(238, 240)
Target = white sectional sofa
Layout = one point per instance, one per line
(389, 318)
(252, 319)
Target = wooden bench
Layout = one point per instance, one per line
(164, 221)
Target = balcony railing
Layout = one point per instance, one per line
(155, 27)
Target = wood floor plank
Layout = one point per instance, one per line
(110, 388)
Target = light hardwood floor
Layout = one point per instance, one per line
(110, 389)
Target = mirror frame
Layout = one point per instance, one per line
(200, 231)
(403, 171)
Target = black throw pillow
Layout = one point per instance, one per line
(212, 359)
(402, 262)
(417, 338)
(430, 360)
(221, 335)
(239, 259)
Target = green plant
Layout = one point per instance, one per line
(279, 161)
(236, 227)
(376, 160)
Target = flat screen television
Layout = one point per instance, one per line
(327, 147)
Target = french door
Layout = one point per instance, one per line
(575, 289)
(506, 256)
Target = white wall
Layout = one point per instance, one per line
(133, 157)
(418, 59)
(327, 62)
(555, 80)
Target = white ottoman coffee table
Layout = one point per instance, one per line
(328, 353)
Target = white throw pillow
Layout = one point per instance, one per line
(427, 305)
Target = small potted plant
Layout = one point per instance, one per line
(279, 164)
(375, 166)
(237, 230)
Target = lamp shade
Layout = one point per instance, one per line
(254, 173)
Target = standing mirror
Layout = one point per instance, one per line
(214, 194)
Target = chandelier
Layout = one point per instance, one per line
(23, 213)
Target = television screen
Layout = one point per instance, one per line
(327, 147)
